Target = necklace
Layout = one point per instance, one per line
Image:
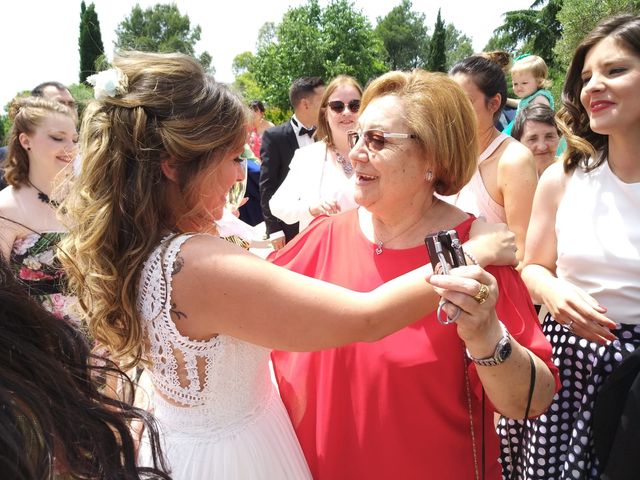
(380, 243)
(44, 198)
(344, 163)
(488, 137)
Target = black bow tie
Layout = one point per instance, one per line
(307, 131)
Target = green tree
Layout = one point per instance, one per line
(579, 17)
(437, 47)
(160, 28)
(3, 133)
(245, 82)
(90, 41)
(266, 35)
(405, 38)
(530, 31)
(83, 94)
(457, 45)
(312, 41)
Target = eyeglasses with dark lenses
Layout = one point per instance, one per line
(374, 139)
(338, 106)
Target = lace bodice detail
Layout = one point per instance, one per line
(225, 378)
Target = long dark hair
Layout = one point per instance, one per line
(52, 414)
(573, 119)
(486, 72)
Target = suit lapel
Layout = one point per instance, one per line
(291, 137)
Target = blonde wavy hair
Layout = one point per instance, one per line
(440, 114)
(538, 68)
(27, 114)
(118, 208)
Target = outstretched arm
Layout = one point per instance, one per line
(223, 289)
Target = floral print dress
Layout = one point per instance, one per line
(34, 262)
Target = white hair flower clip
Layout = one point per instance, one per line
(108, 83)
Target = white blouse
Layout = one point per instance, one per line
(313, 176)
(598, 240)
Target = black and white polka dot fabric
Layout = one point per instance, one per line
(558, 445)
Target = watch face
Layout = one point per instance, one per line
(505, 350)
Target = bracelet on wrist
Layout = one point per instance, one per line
(472, 258)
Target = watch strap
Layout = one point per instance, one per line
(498, 354)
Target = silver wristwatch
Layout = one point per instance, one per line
(500, 354)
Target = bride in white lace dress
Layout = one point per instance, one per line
(160, 151)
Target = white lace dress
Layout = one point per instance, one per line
(224, 418)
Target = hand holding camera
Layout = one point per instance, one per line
(445, 253)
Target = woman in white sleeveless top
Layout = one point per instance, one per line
(502, 188)
(160, 152)
(583, 250)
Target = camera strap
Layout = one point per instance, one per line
(479, 472)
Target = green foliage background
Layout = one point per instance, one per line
(161, 28)
(339, 39)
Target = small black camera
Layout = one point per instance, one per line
(445, 251)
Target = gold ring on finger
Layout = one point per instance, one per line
(482, 294)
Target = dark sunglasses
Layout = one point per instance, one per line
(374, 139)
(338, 106)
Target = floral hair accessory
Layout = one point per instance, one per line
(108, 83)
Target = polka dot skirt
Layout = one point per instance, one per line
(558, 444)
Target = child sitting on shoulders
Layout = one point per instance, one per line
(530, 83)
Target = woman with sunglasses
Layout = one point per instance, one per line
(411, 405)
(320, 179)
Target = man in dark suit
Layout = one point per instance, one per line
(279, 144)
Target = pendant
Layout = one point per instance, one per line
(378, 248)
(345, 164)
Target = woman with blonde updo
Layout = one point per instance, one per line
(161, 149)
(42, 146)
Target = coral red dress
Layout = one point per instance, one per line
(398, 407)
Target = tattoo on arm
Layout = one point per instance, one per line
(179, 315)
(178, 264)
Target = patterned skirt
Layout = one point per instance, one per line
(559, 443)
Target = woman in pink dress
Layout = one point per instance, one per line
(418, 403)
(257, 127)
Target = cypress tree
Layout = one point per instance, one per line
(90, 41)
(437, 48)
